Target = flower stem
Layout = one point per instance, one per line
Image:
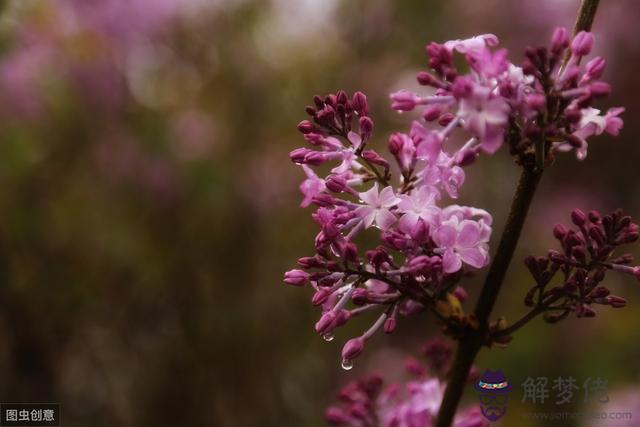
(473, 340)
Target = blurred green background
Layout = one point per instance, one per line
(149, 209)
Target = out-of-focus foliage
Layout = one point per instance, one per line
(149, 207)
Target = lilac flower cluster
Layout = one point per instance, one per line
(427, 246)
(546, 103)
(424, 246)
(587, 254)
(367, 402)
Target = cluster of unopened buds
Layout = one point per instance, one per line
(427, 244)
(368, 402)
(587, 254)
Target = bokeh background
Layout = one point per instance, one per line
(148, 207)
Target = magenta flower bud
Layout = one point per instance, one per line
(375, 158)
(599, 89)
(431, 112)
(342, 318)
(559, 40)
(389, 325)
(326, 322)
(337, 184)
(306, 126)
(349, 251)
(366, 125)
(395, 143)
(595, 67)
(585, 311)
(320, 297)
(536, 101)
(460, 293)
(296, 277)
(298, 155)
(559, 231)
(418, 264)
(310, 262)
(578, 217)
(445, 119)
(360, 296)
(336, 415)
(353, 348)
(404, 100)
(597, 234)
(324, 200)
(616, 302)
(427, 79)
(466, 157)
(315, 158)
(582, 43)
(341, 97)
(420, 232)
(360, 103)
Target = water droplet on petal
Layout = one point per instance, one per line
(347, 364)
(328, 337)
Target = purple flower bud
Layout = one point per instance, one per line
(320, 297)
(404, 100)
(420, 232)
(599, 89)
(375, 158)
(336, 415)
(360, 103)
(594, 216)
(595, 67)
(395, 143)
(578, 217)
(353, 348)
(298, 155)
(536, 101)
(315, 158)
(445, 119)
(597, 234)
(616, 302)
(360, 296)
(432, 112)
(326, 322)
(427, 79)
(366, 126)
(306, 126)
(348, 251)
(466, 157)
(460, 293)
(559, 40)
(337, 184)
(600, 292)
(583, 310)
(296, 277)
(559, 231)
(582, 43)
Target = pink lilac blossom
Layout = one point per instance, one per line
(543, 98)
(367, 402)
(426, 245)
